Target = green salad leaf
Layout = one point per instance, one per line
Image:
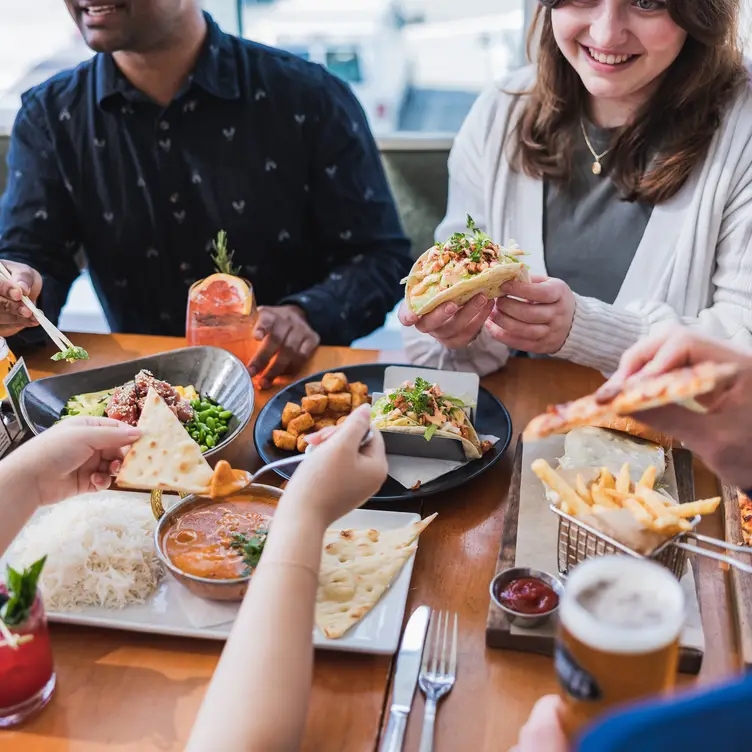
(71, 354)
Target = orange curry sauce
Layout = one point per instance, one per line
(198, 542)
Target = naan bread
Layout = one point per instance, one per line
(357, 568)
(681, 386)
(165, 456)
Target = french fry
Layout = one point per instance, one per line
(623, 481)
(693, 508)
(669, 525)
(653, 501)
(601, 497)
(583, 490)
(638, 511)
(648, 477)
(605, 479)
(556, 483)
(566, 509)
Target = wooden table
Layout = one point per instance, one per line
(127, 691)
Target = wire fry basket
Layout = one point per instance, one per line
(578, 541)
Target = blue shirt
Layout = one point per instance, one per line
(710, 720)
(270, 148)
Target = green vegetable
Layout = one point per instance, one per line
(94, 404)
(210, 424)
(416, 397)
(430, 431)
(71, 354)
(22, 589)
(225, 415)
(250, 546)
(222, 257)
(204, 448)
(210, 441)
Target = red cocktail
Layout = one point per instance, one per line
(27, 676)
(221, 308)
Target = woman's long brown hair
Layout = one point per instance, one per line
(673, 129)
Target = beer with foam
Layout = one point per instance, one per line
(620, 621)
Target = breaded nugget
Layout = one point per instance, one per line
(341, 402)
(304, 422)
(324, 423)
(283, 440)
(315, 404)
(359, 399)
(314, 387)
(357, 387)
(334, 383)
(290, 412)
(302, 442)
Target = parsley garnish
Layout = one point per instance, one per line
(472, 243)
(22, 592)
(416, 396)
(222, 257)
(250, 546)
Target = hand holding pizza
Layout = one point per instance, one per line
(723, 435)
(533, 317)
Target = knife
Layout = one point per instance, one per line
(405, 679)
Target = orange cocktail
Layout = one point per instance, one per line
(222, 310)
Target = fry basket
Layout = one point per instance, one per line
(578, 541)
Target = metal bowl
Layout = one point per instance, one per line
(528, 621)
(213, 371)
(204, 587)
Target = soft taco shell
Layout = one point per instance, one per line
(471, 446)
(488, 282)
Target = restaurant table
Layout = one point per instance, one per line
(128, 691)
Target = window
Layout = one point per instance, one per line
(345, 63)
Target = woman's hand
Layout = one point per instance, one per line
(453, 326)
(73, 457)
(536, 318)
(339, 474)
(723, 435)
(543, 731)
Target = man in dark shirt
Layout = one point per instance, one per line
(174, 132)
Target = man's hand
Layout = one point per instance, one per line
(288, 341)
(14, 315)
(721, 437)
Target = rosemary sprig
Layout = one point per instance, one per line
(222, 257)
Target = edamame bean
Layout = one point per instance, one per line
(210, 424)
(222, 430)
(210, 441)
(225, 415)
(204, 448)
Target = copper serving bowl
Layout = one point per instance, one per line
(205, 587)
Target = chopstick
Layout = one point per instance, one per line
(60, 340)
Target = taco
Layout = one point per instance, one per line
(458, 270)
(421, 408)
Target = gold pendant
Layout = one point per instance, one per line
(597, 168)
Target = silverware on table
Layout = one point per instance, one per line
(405, 679)
(438, 671)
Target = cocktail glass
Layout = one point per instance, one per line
(27, 674)
(222, 312)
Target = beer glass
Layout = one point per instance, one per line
(618, 638)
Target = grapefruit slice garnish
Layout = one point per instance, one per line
(225, 291)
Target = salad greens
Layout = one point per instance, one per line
(71, 354)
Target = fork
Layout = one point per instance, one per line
(438, 671)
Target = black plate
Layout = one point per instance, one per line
(210, 370)
(491, 418)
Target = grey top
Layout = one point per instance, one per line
(590, 234)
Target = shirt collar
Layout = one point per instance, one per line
(216, 70)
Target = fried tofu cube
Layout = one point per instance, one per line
(357, 387)
(340, 402)
(304, 422)
(334, 383)
(302, 442)
(342, 420)
(314, 387)
(359, 399)
(315, 404)
(290, 412)
(324, 423)
(283, 440)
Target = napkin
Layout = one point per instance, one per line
(408, 471)
(203, 613)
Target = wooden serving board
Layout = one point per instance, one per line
(741, 584)
(501, 634)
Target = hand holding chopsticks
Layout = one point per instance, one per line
(68, 351)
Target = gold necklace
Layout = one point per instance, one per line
(597, 167)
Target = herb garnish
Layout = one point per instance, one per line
(250, 546)
(71, 354)
(222, 257)
(22, 592)
(417, 397)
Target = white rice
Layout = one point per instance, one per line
(99, 548)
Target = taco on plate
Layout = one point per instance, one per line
(458, 270)
(420, 408)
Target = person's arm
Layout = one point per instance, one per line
(16, 503)
(258, 697)
(363, 250)
(37, 216)
(466, 164)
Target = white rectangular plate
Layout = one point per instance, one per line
(165, 613)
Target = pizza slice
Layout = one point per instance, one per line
(681, 386)
(357, 568)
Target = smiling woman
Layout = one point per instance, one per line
(620, 165)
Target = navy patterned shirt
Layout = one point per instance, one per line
(270, 148)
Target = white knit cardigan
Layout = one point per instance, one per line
(693, 265)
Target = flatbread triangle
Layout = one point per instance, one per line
(681, 386)
(164, 456)
(357, 568)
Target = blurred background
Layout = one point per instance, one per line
(416, 66)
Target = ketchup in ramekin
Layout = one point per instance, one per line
(529, 595)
